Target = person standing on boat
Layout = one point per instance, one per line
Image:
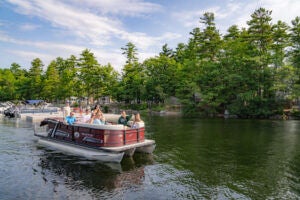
(71, 119)
(66, 110)
(137, 123)
(123, 119)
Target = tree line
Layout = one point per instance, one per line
(252, 71)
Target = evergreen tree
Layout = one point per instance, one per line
(295, 54)
(260, 36)
(51, 82)
(35, 79)
(131, 86)
(21, 78)
(89, 73)
(7, 85)
(67, 73)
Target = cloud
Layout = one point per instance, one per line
(239, 12)
(91, 27)
(42, 45)
(31, 54)
(79, 23)
(48, 51)
(131, 8)
(283, 10)
(143, 42)
(92, 24)
(28, 27)
(191, 18)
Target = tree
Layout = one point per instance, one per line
(166, 51)
(295, 53)
(7, 85)
(108, 78)
(280, 43)
(161, 78)
(67, 73)
(35, 79)
(21, 80)
(88, 73)
(51, 82)
(133, 76)
(260, 37)
(130, 51)
(210, 40)
(239, 71)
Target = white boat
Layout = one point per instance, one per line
(108, 143)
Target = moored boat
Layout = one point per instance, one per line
(108, 143)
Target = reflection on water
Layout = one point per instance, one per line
(103, 179)
(233, 158)
(194, 159)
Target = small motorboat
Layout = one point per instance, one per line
(108, 143)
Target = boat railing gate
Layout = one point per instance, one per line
(124, 136)
(138, 135)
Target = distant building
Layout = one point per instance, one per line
(105, 100)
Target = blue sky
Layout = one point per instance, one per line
(48, 29)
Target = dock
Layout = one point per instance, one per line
(37, 117)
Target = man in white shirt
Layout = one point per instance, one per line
(66, 110)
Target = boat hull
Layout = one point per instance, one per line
(108, 143)
(88, 153)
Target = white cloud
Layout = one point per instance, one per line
(91, 23)
(283, 10)
(31, 54)
(83, 23)
(28, 27)
(239, 12)
(89, 27)
(119, 7)
(143, 42)
(42, 45)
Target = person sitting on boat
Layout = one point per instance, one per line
(137, 123)
(87, 116)
(123, 119)
(71, 119)
(96, 109)
(99, 119)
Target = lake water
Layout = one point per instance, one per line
(194, 159)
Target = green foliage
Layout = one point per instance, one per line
(133, 77)
(7, 82)
(256, 108)
(51, 82)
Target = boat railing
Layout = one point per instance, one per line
(103, 127)
(95, 135)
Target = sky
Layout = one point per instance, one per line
(48, 29)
